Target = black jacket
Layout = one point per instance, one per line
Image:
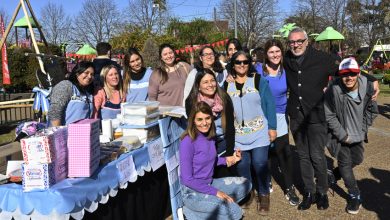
(306, 83)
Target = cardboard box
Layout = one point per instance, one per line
(83, 147)
(45, 146)
(40, 176)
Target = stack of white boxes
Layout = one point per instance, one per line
(140, 114)
(45, 159)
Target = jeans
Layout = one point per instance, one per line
(310, 139)
(258, 159)
(199, 206)
(349, 156)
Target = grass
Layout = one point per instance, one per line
(385, 90)
(7, 135)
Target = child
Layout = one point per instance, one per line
(203, 196)
(349, 111)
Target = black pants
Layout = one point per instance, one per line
(349, 156)
(283, 153)
(310, 142)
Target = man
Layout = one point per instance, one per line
(307, 72)
(103, 59)
(349, 111)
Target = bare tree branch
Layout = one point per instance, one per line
(255, 18)
(98, 21)
(55, 23)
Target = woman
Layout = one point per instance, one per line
(255, 123)
(136, 79)
(203, 196)
(207, 60)
(71, 99)
(206, 89)
(273, 71)
(232, 46)
(107, 100)
(166, 84)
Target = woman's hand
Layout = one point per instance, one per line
(224, 196)
(231, 160)
(272, 135)
(230, 78)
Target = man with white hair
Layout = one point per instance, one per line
(308, 71)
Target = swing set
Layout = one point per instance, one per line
(45, 83)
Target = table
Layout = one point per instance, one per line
(71, 197)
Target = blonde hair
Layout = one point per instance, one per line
(107, 89)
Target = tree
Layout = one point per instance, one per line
(255, 18)
(150, 53)
(98, 21)
(191, 33)
(149, 15)
(55, 23)
(7, 19)
(131, 36)
(368, 19)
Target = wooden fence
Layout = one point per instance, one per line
(16, 110)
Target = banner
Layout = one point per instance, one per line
(6, 76)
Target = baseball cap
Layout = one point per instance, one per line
(348, 65)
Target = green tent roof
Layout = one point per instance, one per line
(86, 50)
(23, 22)
(329, 34)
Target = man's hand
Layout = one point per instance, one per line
(377, 90)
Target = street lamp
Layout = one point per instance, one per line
(235, 18)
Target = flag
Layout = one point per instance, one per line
(6, 76)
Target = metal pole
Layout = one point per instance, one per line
(235, 18)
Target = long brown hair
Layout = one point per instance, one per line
(222, 94)
(162, 69)
(127, 70)
(191, 130)
(270, 43)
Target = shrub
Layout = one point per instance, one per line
(386, 78)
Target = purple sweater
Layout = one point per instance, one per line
(197, 160)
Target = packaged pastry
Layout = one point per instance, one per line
(140, 119)
(140, 108)
(128, 142)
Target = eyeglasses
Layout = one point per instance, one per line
(241, 62)
(207, 54)
(298, 42)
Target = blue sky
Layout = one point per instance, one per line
(184, 9)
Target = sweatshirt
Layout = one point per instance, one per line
(197, 160)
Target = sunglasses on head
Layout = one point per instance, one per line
(240, 62)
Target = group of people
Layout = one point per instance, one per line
(237, 113)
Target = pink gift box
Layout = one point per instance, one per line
(46, 146)
(83, 147)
